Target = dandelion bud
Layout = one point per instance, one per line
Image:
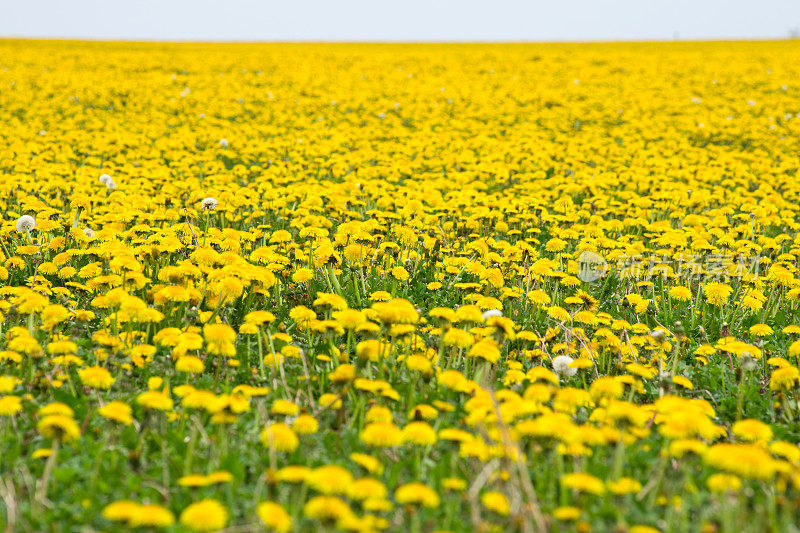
(25, 223)
(658, 335)
(747, 362)
(191, 314)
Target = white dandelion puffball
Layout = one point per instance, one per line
(223, 143)
(111, 184)
(105, 178)
(209, 203)
(561, 366)
(25, 223)
(490, 313)
(89, 232)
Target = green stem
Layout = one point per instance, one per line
(48, 470)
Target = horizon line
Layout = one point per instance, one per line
(396, 41)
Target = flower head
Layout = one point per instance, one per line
(205, 515)
(25, 223)
(117, 411)
(561, 365)
(279, 437)
(59, 427)
(274, 516)
(96, 377)
(417, 493)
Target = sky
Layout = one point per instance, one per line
(400, 20)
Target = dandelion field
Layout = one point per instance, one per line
(300, 287)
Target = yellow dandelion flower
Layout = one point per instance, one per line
(205, 515)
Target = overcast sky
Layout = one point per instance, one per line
(403, 20)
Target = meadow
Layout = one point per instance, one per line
(374, 287)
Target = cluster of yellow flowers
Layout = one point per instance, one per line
(385, 287)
